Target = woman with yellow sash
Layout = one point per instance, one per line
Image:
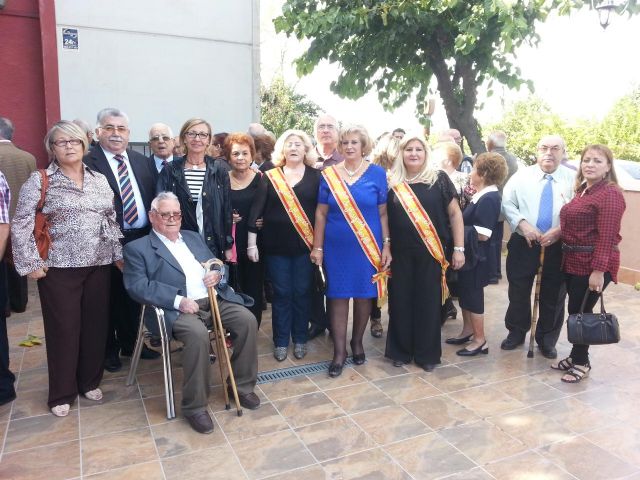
(423, 216)
(286, 200)
(352, 240)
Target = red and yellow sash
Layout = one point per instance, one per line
(292, 206)
(361, 230)
(425, 228)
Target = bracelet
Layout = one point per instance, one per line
(386, 240)
(252, 247)
(458, 249)
(318, 249)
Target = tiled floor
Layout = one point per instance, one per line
(501, 416)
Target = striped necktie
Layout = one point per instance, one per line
(545, 209)
(129, 209)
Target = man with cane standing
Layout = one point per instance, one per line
(531, 203)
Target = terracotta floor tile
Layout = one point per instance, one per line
(36, 379)
(212, 464)
(31, 403)
(531, 427)
(379, 367)
(405, 388)
(529, 391)
(450, 378)
(272, 454)
(152, 384)
(370, 464)
(267, 362)
(251, 424)
(527, 466)
(141, 471)
(5, 411)
(306, 409)
(34, 358)
(39, 431)
(349, 377)
(334, 438)
(620, 440)
(113, 417)
(156, 408)
(314, 472)
(116, 450)
(574, 415)
(288, 388)
(53, 462)
(357, 398)
(474, 474)
(441, 412)
(114, 390)
(486, 400)
(390, 424)
(429, 457)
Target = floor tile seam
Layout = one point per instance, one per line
(364, 380)
(153, 438)
(277, 475)
(85, 477)
(451, 475)
(290, 396)
(303, 443)
(538, 452)
(637, 467)
(47, 445)
(4, 440)
(293, 427)
(92, 405)
(226, 439)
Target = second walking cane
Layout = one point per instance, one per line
(536, 301)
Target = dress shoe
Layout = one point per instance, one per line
(299, 350)
(399, 363)
(249, 400)
(463, 352)
(8, 399)
(112, 363)
(358, 358)
(428, 367)
(512, 341)
(458, 340)
(201, 422)
(280, 353)
(548, 352)
(335, 369)
(314, 331)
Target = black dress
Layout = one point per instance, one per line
(415, 292)
(247, 276)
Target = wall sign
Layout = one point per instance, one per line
(70, 38)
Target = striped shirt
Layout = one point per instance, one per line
(5, 199)
(195, 179)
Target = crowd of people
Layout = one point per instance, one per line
(400, 218)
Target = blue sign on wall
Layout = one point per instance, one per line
(70, 38)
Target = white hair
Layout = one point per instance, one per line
(162, 196)
(111, 112)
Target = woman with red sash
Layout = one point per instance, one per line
(424, 214)
(352, 240)
(286, 200)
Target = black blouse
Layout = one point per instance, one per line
(241, 201)
(279, 237)
(435, 199)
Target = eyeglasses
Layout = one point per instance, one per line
(115, 128)
(63, 143)
(157, 138)
(202, 135)
(547, 148)
(168, 215)
(326, 126)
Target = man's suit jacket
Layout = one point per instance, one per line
(153, 276)
(16, 165)
(142, 171)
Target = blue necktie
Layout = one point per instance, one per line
(545, 210)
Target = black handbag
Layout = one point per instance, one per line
(593, 328)
(319, 279)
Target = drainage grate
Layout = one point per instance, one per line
(299, 371)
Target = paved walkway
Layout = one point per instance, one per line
(501, 416)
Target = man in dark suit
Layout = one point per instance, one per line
(165, 269)
(16, 165)
(133, 181)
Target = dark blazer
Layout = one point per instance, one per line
(144, 173)
(153, 276)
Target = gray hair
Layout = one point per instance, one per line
(111, 112)
(6, 128)
(498, 139)
(68, 128)
(322, 115)
(83, 125)
(310, 155)
(161, 125)
(161, 197)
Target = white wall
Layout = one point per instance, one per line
(161, 61)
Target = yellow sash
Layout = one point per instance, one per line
(361, 230)
(425, 228)
(291, 205)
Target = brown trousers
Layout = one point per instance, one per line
(75, 311)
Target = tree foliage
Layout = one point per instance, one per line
(620, 129)
(396, 47)
(281, 108)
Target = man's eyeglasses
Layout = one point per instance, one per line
(168, 215)
(157, 138)
(115, 128)
(202, 135)
(326, 126)
(63, 143)
(547, 148)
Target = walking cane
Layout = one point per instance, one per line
(536, 301)
(223, 352)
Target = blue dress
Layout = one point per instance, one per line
(348, 270)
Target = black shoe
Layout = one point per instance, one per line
(314, 331)
(112, 363)
(201, 422)
(463, 352)
(145, 354)
(512, 341)
(428, 367)
(358, 358)
(8, 399)
(458, 340)
(399, 363)
(247, 400)
(548, 352)
(335, 369)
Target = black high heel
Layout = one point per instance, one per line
(471, 353)
(458, 340)
(358, 358)
(335, 369)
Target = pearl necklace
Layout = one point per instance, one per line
(349, 172)
(409, 180)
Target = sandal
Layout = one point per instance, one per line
(563, 365)
(577, 373)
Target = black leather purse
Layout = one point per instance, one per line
(319, 279)
(593, 328)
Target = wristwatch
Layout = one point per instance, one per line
(458, 249)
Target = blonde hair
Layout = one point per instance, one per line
(365, 139)
(451, 151)
(64, 127)
(386, 150)
(398, 172)
(310, 155)
(188, 125)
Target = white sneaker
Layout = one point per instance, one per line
(61, 410)
(95, 395)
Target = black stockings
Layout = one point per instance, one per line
(339, 316)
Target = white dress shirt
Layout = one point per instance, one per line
(521, 195)
(193, 270)
(142, 220)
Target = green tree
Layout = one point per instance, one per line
(397, 47)
(620, 129)
(281, 108)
